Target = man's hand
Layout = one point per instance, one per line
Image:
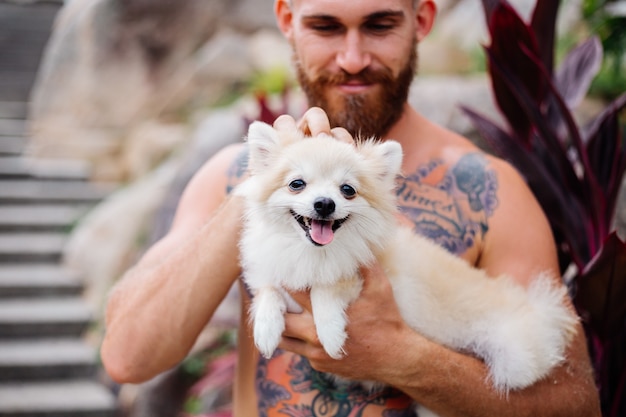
(314, 122)
(377, 334)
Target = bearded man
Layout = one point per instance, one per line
(355, 61)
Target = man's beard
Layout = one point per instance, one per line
(363, 115)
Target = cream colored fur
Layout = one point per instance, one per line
(520, 333)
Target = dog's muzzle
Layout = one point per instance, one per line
(319, 231)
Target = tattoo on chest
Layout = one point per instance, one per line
(450, 204)
(305, 392)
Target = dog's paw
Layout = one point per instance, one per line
(332, 339)
(266, 312)
(329, 304)
(267, 334)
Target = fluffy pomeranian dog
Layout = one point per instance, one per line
(318, 208)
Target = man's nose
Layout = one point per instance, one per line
(353, 56)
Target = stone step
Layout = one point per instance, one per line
(13, 167)
(76, 398)
(12, 127)
(21, 281)
(47, 217)
(12, 145)
(45, 359)
(50, 191)
(37, 247)
(47, 317)
(13, 110)
(16, 85)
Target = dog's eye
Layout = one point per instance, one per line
(348, 191)
(297, 185)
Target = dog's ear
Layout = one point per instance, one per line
(389, 153)
(263, 141)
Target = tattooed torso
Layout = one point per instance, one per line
(448, 201)
(450, 205)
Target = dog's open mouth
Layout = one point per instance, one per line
(320, 232)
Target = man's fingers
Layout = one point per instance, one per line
(285, 123)
(342, 135)
(314, 122)
(300, 326)
(296, 346)
(303, 299)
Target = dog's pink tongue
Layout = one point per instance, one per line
(321, 232)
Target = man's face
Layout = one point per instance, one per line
(356, 60)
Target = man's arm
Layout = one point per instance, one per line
(155, 313)
(382, 347)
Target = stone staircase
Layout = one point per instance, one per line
(47, 368)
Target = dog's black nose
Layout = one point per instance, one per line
(324, 206)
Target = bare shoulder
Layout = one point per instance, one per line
(209, 187)
(477, 206)
(204, 194)
(520, 242)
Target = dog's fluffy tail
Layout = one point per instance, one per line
(530, 342)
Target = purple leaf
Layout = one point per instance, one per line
(601, 289)
(573, 78)
(509, 34)
(556, 155)
(592, 195)
(543, 25)
(579, 67)
(596, 201)
(607, 153)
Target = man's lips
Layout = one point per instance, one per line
(354, 87)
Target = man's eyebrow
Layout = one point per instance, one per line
(383, 14)
(319, 16)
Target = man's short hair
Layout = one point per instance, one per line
(415, 3)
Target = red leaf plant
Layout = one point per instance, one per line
(575, 172)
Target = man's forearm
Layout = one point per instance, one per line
(157, 311)
(453, 384)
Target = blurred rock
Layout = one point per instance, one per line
(110, 239)
(112, 64)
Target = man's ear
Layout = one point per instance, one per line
(424, 18)
(284, 18)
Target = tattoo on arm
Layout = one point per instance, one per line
(237, 171)
(450, 204)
